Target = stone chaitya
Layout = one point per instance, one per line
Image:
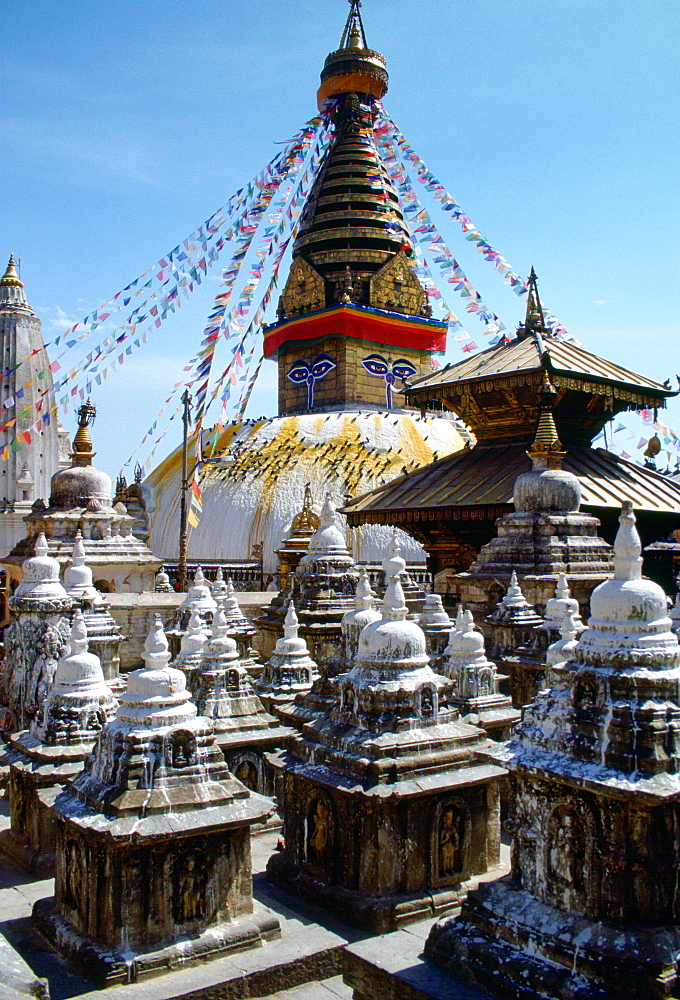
(44, 758)
(436, 624)
(36, 636)
(199, 598)
(223, 692)
(241, 630)
(555, 610)
(290, 670)
(591, 907)
(515, 643)
(192, 645)
(296, 542)
(322, 589)
(475, 694)
(388, 809)
(153, 842)
(320, 698)
(104, 636)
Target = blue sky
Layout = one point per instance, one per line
(554, 123)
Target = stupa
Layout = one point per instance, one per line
(104, 636)
(436, 624)
(29, 459)
(388, 808)
(353, 321)
(224, 694)
(320, 699)
(192, 645)
(80, 501)
(475, 694)
(546, 537)
(239, 627)
(43, 759)
(289, 671)
(590, 908)
(36, 636)
(322, 589)
(199, 598)
(153, 841)
(514, 641)
(296, 542)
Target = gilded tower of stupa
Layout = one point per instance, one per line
(353, 322)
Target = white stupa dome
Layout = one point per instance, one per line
(254, 487)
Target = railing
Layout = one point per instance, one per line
(245, 575)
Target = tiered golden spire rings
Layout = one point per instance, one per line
(354, 36)
(10, 276)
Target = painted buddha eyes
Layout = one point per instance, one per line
(376, 364)
(304, 371)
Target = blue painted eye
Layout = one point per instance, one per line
(403, 368)
(322, 365)
(375, 364)
(298, 372)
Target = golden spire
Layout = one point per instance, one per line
(10, 276)
(546, 451)
(82, 442)
(534, 321)
(354, 36)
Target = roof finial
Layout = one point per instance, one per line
(534, 321)
(82, 442)
(10, 276)
(354, 36)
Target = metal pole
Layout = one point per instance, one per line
(182, 565)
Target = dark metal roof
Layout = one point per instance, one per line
(524, 355)
(485, 475)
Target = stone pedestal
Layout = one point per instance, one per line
(153, 843)
(224, 694)
(387, 808)
(590, 908)
(42, 760)
(36, 636)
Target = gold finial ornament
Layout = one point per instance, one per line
(534, 321)
(306, 522)
(82, 442)
(547, 450)
(353, 67)
(10, 276)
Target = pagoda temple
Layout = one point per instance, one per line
(353, 322)
(451, 505)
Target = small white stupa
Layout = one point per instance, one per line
(290, 669)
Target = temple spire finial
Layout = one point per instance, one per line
(354, 36)
(10, 277)
(534, 320)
